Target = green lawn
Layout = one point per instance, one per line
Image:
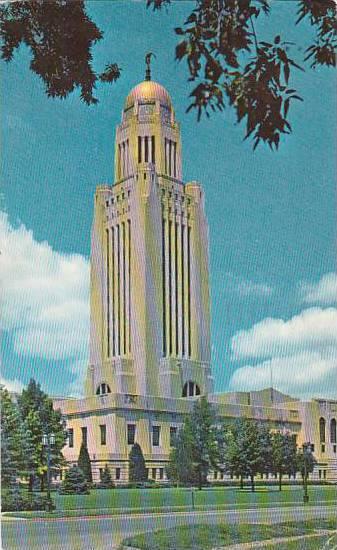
(172, 497)
(206, 537)
(101, 501)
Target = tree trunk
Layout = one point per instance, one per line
(280, 481)
(199, 481)
(42, 479)
(252, 483)
(241, 482)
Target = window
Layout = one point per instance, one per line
(84, 436)
(215, 475)
(324, 474)
(191, 389)
(131, 433)
(71, 437)
(322, 430)
(312, 448)
(173, 435)
(161, 473)
(155, 436)
(333, 430)
(103, 389)
(103, 434)
(118, 473)
(154, 473)
(100, 473)
(323, 448)
(334, 448)
(320, 474)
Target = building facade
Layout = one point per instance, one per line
(150, 310)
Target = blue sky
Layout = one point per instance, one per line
(271, 215)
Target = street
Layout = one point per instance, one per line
(105, 533)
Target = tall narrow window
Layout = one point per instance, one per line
(175, 159)
(71, 437)
(183, 288)
(131, 434)
(118, 473)
(108, 293)
(129, 283)
(170, 286)
(189, 289)
(173, 435)
(333, 430)
(155, 436)
(119, 287)
(176, 285)
(146, 149)
(153, 150)
(164, 285)
(170, 156)
(113, 291)
(124, 290)
(103, 434)
(322, 430)
(139, 149)
(84, 430)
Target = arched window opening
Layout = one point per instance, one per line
(191, 389)
(333, 430)
(103, 389)
(322, 430)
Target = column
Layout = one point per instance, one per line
(122, 288)
(113, 277)
(173, 284)
(179, 287)
(185, 287)
(117, 290)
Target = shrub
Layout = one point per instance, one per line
(84, 463)
(137, 470)
(106, 480)
(74, 482)
(16, 501)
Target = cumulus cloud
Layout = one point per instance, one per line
(312, 328)
(323, 292)
(307, 374)
(301, 354)
(45, 297)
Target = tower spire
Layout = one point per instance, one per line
(148, 63)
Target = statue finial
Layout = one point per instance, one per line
(148, 62)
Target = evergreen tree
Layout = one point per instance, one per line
(284, 454)
(12, 439)
(74, 482)
(180, 467)
(106, 480)
(196, 450)
(137, 469)
(84, 463)
(39, 417)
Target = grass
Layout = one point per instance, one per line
(206, 537)
(323, 542)
(104, 501)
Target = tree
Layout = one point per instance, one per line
(284, 452)
(84, 463)
(247, 449)
(196, 449)
(106, 480)
(219, 41)
(74, 482)
(39, 417)
(137, 469)
(12, 437)
(180, 464)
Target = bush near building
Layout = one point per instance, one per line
(137, 469)
(74, 482)
(106, 479)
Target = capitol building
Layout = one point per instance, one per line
(150, 352)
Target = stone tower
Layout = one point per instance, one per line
(150, 312)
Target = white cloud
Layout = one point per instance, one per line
(45, 296)
(306, 375)
(312, 328)
(246, 287)
(12, 385)
(301, 353)
(323, 292)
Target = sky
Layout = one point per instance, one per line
(271, 215)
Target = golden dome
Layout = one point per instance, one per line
(148, 91)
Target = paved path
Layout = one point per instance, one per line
(104, 533)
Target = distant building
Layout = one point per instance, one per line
(150, 311)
